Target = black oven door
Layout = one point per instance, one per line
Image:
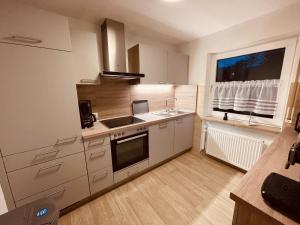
(129, 150)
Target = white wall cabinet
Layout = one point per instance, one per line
(26, 25)
(184, 132)
(161, 142)
(38, 99)
(177, 68)
(85, 54)
(150, 61)
(158, 65)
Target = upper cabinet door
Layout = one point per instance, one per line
(153, 63)
(177, 68)
(85, 54)
(38, 99)
(26, 25)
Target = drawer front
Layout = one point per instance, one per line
(98, 158)
(63, 195)
(38, 178)
(130, 171)
(25, 159)
(101, 179)
(95, 143)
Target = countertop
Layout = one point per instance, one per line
(272, 160)
(149, 119)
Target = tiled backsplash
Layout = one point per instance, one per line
(113, 98)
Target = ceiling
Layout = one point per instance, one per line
(174, 20)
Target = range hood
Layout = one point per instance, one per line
(114, 52)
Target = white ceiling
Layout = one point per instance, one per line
(174, 20)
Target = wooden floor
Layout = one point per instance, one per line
(191, 189)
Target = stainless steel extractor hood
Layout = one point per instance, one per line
(114, 52)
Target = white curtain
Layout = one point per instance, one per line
(259, 96)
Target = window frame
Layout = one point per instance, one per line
(283, 92)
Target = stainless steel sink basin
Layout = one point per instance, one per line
(169, 113)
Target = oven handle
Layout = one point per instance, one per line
(131, 138)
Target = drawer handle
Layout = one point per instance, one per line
(46, 155)
(50, 168)
(163, 125)
(28, 40)
(97, 142)
(58, 193)
(60, 142)
(99, 177)
(95, 155)
(179, 120)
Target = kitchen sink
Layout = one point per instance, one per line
(169, 113)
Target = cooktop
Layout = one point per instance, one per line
(122, 121)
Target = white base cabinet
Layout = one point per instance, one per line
(184, 132)
(161, 142)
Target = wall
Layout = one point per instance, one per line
(278, 25)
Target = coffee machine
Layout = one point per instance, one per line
(86, 116)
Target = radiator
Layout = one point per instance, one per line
(238, 150)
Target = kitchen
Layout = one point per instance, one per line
(98, 116)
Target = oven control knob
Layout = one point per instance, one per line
(123, 133)
(115, 135)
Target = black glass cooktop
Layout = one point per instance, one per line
(122, 121)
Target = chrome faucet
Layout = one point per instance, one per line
(250, 123)
(167, 108)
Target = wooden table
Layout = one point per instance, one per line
(250, 207)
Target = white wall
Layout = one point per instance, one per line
(283, 23)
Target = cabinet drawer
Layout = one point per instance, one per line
(27, 25)
(101, 179)
(64, 195)
(95, 143)
(99, 158)
(38, 178)
(130, 171)
(30, 158)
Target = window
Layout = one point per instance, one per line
(264, 70)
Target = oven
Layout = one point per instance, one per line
(129, 147)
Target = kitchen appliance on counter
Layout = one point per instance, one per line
(140, 106)
(87, 118)
(129, 147)
(283, 193)
(40, 212)
(121, 121)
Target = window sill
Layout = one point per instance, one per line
(237, 123)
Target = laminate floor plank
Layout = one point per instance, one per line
(191, 189)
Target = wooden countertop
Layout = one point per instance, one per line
(238, 123)
(272, 160)
(99, 129)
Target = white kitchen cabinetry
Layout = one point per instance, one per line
(63, 195)
(38, 99)
(26, 25)
(184, 132)
(161, 142)
(85, 54)
(150, 61)
(177, 68)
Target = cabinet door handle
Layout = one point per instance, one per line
(95, 155)
(163, 125)
(46, 155)
(97, 142)
(24, 39)
(49, 169)
(60, 142)
(99, 177)
(57, 193)
(179, 120)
